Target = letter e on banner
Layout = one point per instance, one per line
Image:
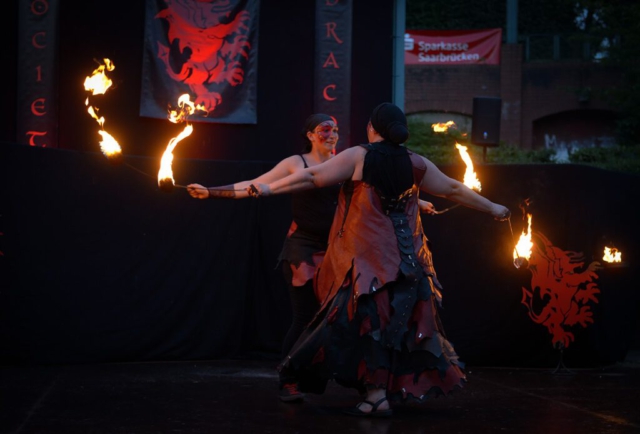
(37, 107)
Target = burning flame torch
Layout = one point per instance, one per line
(611, 254)
(185, 108)
(470, 178)
(97, 84)
(522, 250)
(443, 127)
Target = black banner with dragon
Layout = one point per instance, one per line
(207, 49)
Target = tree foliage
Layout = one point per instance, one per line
(612, 27)
(534, 16)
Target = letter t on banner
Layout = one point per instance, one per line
(332, 90)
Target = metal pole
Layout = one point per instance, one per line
(512, 21)
(397, 77)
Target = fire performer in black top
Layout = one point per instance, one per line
(306, 241)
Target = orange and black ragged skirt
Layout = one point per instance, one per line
(392, 339)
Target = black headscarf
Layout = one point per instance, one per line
(310, 124)
(390, 122)
(387, 165)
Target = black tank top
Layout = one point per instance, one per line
(313, 209)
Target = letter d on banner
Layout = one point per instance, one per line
(332, 87)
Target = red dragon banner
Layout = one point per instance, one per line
(206, 48)
(562, 289)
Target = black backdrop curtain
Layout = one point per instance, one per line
(98, 265)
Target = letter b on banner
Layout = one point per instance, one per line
(485, 127)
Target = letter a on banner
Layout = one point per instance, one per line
(332, 89)
(208, 49)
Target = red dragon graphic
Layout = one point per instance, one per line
(208, 42)
(560, 279)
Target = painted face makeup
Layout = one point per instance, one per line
(326, 129)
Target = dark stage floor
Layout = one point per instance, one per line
(239, 397)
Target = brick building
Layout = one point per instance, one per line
(544, 103)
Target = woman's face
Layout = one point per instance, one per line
(324, 137)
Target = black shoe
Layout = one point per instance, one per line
(289, 392)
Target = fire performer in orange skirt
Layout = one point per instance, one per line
(306, 242)
(378, 328)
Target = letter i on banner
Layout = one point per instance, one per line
(37, 105)
(332, 89)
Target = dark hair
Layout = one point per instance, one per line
(309, 125)
(390, 122)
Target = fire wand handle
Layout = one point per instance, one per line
(175, 185)
(217, 189)
(447, 209)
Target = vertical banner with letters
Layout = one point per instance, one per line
(332, 88)
(37, 104)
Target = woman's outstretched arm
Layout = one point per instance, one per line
(437, 183)
(239, 189)
(331, 172)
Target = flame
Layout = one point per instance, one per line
(165, 174)
(97, 84)
(524, 246)
(93, 113)
(109, 145)
(185, 108)
(441, 127)
(470, 178)
(611, 254)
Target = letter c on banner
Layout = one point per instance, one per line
(326, 95)
(34, 41)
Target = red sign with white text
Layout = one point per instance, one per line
(452, 47)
